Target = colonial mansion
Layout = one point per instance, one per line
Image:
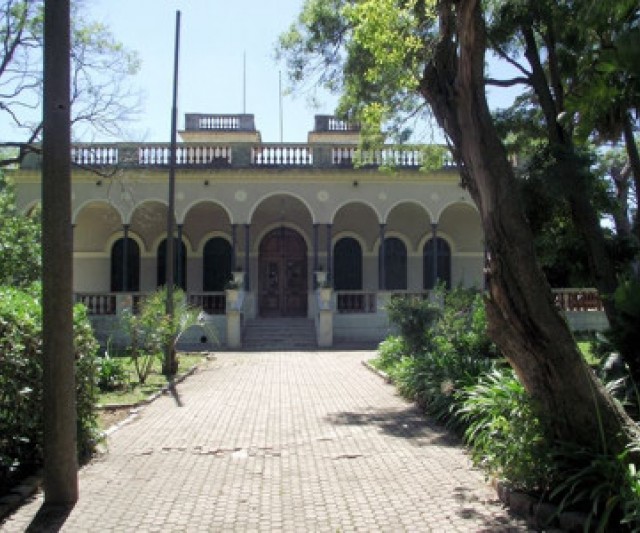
(320, 233)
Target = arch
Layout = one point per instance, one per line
(409, 201)
(179, 266)
(199, 249)
(92, 203)
(348, 203)
(196, 203)
(216, 264)
(119, 281)
(284, 194)
(461, 221)
(395, 264)
(276, 225)
(442, 273)
(347, 264)
(359, 218)
(30, 207)
(119, 235)
(465, 202)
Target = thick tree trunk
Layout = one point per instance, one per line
(523, 320)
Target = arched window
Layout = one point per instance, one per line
(347, 265)
(395, 265)
(216, 259)
(443, 273)
(179, 264)
(118, 282)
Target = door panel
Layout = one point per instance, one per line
(283, 274)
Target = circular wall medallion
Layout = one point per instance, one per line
(180, 196)
(435, 196)
(323, 196)
(382, 196)
(241, 196)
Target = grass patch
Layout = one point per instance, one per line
(134, 392)
(585, 348)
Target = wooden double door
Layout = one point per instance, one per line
(283, 274)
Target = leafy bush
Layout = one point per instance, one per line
(505, 436)
(111, 373)
(413, 317)
(152, 330)
(390, 352)
(21, 369)
(448, 351)
(605, 486)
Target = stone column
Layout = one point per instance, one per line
(329, 258)
(125, 258)
(234, 247)
(247, 277)
(434, 240)
(382, 271)
(179, 256)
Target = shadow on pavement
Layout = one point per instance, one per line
(49, 518)
(408, 423)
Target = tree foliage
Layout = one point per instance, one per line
(442, 46)
(20, 255)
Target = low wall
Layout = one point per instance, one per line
(366, 328)
(109, 332)
(587, 320)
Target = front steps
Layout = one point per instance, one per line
(276, 334)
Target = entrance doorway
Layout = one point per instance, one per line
(283, 274)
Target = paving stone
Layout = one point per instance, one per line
(282, 441)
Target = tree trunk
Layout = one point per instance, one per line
(523, 320)
(634, 163)
(59, 390)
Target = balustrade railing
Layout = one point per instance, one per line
(186, 155)
(98, 304)
(212, 303)
(356, 302)
(289, 155)
(578, 299)
(94, 155)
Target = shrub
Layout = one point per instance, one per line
(605, 486)
(505, 436)
(413, 317)
(390, 352)
(152, 330)
(448, 351)
(21, 382)
(111, 373)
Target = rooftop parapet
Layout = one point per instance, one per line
(201, 127)
(329, 129)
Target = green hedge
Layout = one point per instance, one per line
(21, 383)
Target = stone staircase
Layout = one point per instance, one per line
(282, 333)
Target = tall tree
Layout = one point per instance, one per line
(437, 50)
(101, 69)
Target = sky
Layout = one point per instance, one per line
(218, 38)
(215, 37)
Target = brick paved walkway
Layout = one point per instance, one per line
(284, 441)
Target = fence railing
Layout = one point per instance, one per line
(212, 303)
(98, 304)
(356, 302)
(242, 155)
(578, 299)
(294, 155)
